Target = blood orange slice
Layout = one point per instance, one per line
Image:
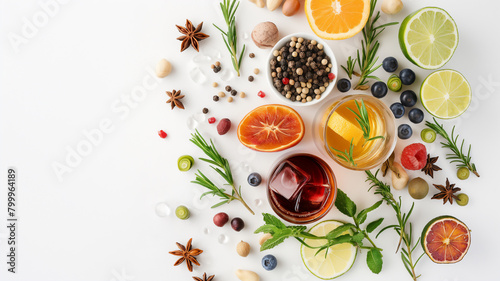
(271, 128)
(446, 239)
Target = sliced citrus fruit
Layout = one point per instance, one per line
(339, 259)
(445, 94)
(446, 239)
(337, 19)
(428, 37)
(271, 128)
(344, 128)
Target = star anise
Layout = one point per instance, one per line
(205, 278)
(447, 193)
(191, 36)
(187, 254)
(429, 167)
(175, 97)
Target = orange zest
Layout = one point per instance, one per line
(271, 128)
(337, 19)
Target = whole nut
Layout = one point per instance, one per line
(259, 3)
(399, 181)
(273, 4)
(391, 7)
(223, 126)
(265, 35)
(221, 219)
(247, 275)
(290, 7)
(264, 238)
(243, 248)
(163, 68)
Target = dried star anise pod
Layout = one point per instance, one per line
(191, 36)
(205, 278)
(447, 193)
(187, 254)
(429, 167)
(175, 97)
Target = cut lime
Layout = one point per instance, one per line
(185, 162)
(339, 259)
(428, 135)
(445, 94)
(428, 37)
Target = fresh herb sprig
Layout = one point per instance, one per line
(221, 166)
(369, 46)
(403, 227)
(346, 155)
(280, 232)
(458, 155)
(228, 9)
(364, 120)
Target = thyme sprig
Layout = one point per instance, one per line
(369, 46)
(230, 38)
(403, 228)
(221, 166)
(458, 155)
(364, 120)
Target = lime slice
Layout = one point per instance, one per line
(445, 94)
(339, 259)
(344, 128)
(428, 37)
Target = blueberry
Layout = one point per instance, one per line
(390, 64)
(404, 131)
(398, 109)
(408, 98)
(416, 115)
(407, 76)
(379, 89)
(269, 262)
(254, 179)
(344, 85)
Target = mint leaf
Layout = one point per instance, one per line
(339, 230)
(373, 225)
(358, 237)
(270, 219)
(267, 228)
(374, 260)
(344, 204)
(362, 215)
(277, 239)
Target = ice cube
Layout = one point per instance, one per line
(197, 75)
(311, 197)
(288, 180)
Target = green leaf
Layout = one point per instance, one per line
(337, 231)
(358, 237)
(363, 214)
(344, 204)
(267, 228)
(270, 219)
(373, 225)
(277, 239)
(220, 204)
(374, 260)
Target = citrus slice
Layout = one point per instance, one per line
(446, 239)
(271, 128)
(428, 37)
(344, 128)
(337, 19)
(445, 94)
(339, 259)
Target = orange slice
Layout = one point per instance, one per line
(271, 128)
(337, 19)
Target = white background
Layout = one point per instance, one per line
(81, 63)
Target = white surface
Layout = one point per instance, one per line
(81, 67)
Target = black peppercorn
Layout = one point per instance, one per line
(216, 98)
(250, 78)
(251, 55)
(205, 110)
(233, 92)
(228, 88)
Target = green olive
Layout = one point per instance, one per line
(463, 173)
(463, 199)
(418, 188)
(182, 212)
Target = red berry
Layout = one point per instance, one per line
(221, 219)
(285, 81)
(162, 134)
(331, 76)
(414, 156)
(211, 120)
(261, 94)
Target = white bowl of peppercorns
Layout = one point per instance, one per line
(301, 69)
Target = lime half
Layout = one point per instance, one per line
(445, 94)
(428, 37)
(339, 259)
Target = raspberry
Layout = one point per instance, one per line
(261, 94)
(162, 134)
(211, 120)
(331, 76)
(414, 156)
(285, 81)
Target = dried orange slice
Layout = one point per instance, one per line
(270, 128)
(337, 19)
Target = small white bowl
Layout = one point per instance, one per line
(328, 51)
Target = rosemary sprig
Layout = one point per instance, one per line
(346, 155)
(369, 47)
(221, 166)
(230, 37)
(350, 67)
(364, 120)
(403, 227)
(451, 142)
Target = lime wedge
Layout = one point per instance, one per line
(344, 128)
(339, 259)
(445, 94)
(428, 37)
